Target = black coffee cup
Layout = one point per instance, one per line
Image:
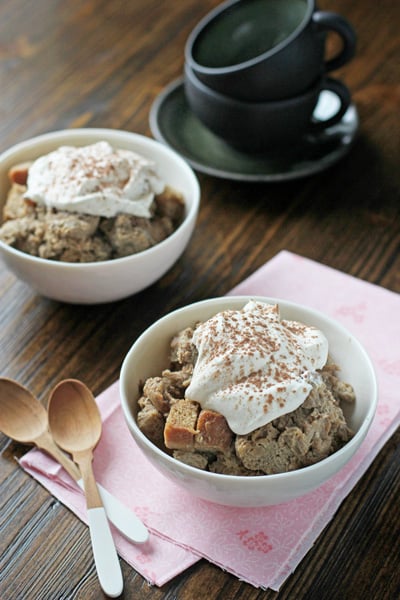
(266, 49)
(255, 127)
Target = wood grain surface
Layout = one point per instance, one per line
(96, 63)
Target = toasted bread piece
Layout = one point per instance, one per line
(180, 426)
(213, 434)
(194, 459)
(151, 422)
(19, 173)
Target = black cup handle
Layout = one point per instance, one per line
(338, 88)
(330, 21)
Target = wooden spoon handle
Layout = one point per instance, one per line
(123, 518)
(84, 462)
(45, 442)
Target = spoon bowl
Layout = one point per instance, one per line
(74, 418)
(24, 419)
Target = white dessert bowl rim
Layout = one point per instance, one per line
(315, 474)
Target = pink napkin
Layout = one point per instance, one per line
(261, 546)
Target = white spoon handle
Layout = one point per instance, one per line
(104, 552)
(124, 519)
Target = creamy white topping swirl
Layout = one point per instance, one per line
(95, 180)
(253, 367)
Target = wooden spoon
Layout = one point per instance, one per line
(75, 424)
(24, 419)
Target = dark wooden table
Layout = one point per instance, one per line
(73, 63)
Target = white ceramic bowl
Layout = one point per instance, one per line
(105, 281)
(149, 356)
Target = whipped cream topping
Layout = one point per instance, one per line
(253, 367)
(95, 180)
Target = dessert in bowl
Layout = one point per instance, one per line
(232, 469)
(115, 233)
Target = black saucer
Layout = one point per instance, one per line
(173, 123)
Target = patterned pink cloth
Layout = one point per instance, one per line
(261, 545)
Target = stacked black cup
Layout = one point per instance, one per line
(255, 70)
